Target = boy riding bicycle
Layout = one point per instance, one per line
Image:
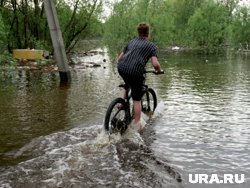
(131, 67)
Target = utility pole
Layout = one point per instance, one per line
(57, 41)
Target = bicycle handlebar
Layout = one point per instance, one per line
(154, 72)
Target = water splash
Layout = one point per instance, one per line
(103, 138)
(160, 109)
(85, 157)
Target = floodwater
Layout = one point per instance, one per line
(51, 135)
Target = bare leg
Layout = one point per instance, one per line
(137, 111)
(123, 93)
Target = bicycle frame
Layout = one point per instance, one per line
(127, 98)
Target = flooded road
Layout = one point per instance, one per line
(51, 135)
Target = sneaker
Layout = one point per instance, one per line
(139, 127)
(143, 125)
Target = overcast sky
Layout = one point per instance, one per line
(245, 2)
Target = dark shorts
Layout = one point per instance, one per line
(135, 83)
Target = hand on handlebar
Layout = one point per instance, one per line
(159, 72)
(155, 72)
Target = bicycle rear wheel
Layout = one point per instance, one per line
(149, 102)
(117, 116)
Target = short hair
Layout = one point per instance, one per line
(143, 29)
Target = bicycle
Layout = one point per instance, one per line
(120, 114)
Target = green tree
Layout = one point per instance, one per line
(76, 22)
(203, 24)
(120, 26)
(183, 10)
(26, 22)
(230, 5)
(161, 19)
(3, 33)
(159, 14)
(241, 28)
(207, 27)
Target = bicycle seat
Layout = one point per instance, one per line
(122, 85)
(126, 87)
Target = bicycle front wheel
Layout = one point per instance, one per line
(117, 116)
(149, 101)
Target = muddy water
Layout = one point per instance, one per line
(51, 135)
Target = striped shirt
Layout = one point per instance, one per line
(135, 56)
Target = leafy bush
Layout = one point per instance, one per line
(208, 25)
(3, 33)
(7, 59)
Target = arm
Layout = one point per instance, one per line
(156, 64)
(119, 57)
